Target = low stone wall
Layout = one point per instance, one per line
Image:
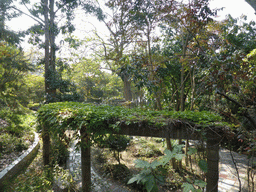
(19, 164)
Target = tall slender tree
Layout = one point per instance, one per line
(45, 14)
(122, 34)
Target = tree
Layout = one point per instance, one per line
(122, 34)
(84, 68)
(32, 90)
(233, 72)
(146, 16)
(6, 13)
(93, 84)
(191, 21)
(45, 14)
(13, 66)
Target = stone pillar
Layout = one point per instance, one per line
(212, 175)
(85, 160)
(46, 145)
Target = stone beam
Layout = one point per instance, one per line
(180, 130)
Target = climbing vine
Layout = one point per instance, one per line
(102, 119)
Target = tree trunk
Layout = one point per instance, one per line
(52, 35)
(151, 75)
(182, 81)
(50, 90)
(192, 77)
(52, 69)
(53, 47)
(193, 86)
(46, 51)
(182, 89)
(180, 162)
(2, 17)
(127, 88)
(46, 137)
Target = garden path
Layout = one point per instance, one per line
(99, 184)
(228, 177)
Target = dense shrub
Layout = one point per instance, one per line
(117, 143)
(16, 133)
(117, 171)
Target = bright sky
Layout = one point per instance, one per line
(234, 7)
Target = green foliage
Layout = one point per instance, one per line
(17, 134)
(203, 165)
(13, 66)
(18, 122)
(9, 143)
(31, 90)
(202, 117)
(117, 143)
(192, 150)
(8, 13)
(148, 150)
(34, 106)
(188, 187)
(103, 118)
(60, 152)
(153, 173)
(116, 171)
(195, 185)
(32, 180)
(96, 84)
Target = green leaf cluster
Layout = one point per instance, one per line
(188, 187)
(153, 173)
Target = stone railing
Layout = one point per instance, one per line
(20, 163)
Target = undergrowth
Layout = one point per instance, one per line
(155, 167)
(17, 133)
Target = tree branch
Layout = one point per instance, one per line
(32, 17)
(245, 113)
